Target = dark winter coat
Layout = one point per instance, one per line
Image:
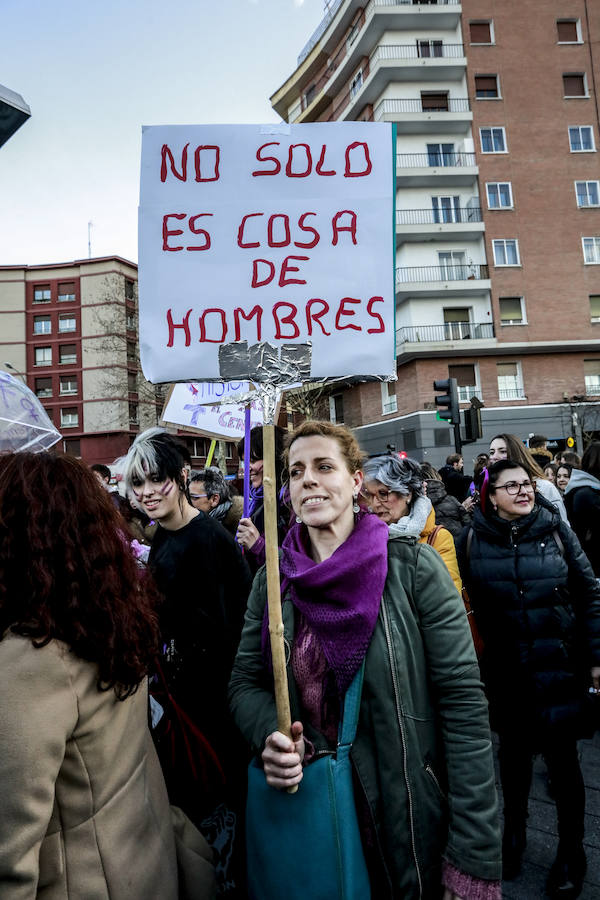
(422, 749)
(537, 607)
(456, 484)
(448, 511)
(582, 501)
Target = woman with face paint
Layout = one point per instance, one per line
(204, 580)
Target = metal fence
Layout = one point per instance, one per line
(450, 331)
(465, 272)
(453, 216)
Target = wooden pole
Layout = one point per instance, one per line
(282, 698)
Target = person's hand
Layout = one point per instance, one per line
(282, 758)
(468, 504)
(448, 895)
(595, 673)
(247, 533)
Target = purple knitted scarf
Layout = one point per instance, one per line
(339, 597)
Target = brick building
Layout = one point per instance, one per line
(70, 331)
(498, 206)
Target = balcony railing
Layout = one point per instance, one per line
(450, 331)
(417, 51)
(463, 214)
(335, 5)
(437, 160)
(416, 105)
(465, 272)
(517, 393)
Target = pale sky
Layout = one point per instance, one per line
(93, 73)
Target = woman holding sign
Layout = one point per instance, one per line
(374, 617)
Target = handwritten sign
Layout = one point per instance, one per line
(276, 236)
(24, 423)
(189, 407)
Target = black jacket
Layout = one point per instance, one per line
(537, 605)
(582, 502)
(455, 482)
(448, 511)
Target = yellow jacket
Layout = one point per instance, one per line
(443, 542)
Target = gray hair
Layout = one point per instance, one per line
(400, 475)
(214, 482)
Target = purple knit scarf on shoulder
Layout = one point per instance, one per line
(339, 597)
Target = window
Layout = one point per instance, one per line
(437, 102)
(130, 350)
(49, 413)
(68, 384)
(309, 95)
(72, 447)
(42, 325)
(499, 194)
(594, 307)
(581, 139)
(352, 34)
(389, 401)
(132, 382)
(69, 417)
(487, 87)
(568, 31)
(129, 287)
(446, 209)
(457, 325)
(466, 381)
(133, 413)
(441, 155)
(67, 353)
(336, 409)
(493, 140)
(356, 84)
(506, 252)
(41, 294)
(66, 323)
(229, 447)
(591, 250)
(441, 437)
(453, 265)
(42, 356)
(66, 292)
(510, 381)
(587, 193)
(574, 84)
(43, 387)
(512, 311)
(429, 48)
(481, 32)
(130, 321)
(591, 372)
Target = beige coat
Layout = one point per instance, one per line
(84, 813)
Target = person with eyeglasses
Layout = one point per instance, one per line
(393, 490)
(210, 493)
(537, 607)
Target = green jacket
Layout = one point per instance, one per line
(422, 751)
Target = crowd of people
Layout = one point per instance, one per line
(140, 746)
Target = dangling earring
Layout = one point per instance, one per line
(298, 520)
(355, 506)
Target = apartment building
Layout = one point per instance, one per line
(498, 207)
(70, 331)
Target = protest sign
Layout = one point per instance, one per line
(189, 406)
(278, 237)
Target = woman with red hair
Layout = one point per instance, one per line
(83, 805)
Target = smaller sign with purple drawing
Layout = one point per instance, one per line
(192, 406)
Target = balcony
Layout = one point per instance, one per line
(457, 223)
(416, 115)
(428, 60)
(469, 279)
(516, 393)
(435, 169)
(449, 331)
(444, 14)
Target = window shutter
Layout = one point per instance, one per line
(480, 33)
(510, 309)
(486, 84)
(595, 306)
(574, 85)
(507, 369)
(591, 367)
(465, 375)
(456, 315)
(567, 31)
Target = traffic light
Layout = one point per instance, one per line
(473, 429)
(449, 410)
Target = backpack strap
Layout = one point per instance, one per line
(559, 543)
(433, 534)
